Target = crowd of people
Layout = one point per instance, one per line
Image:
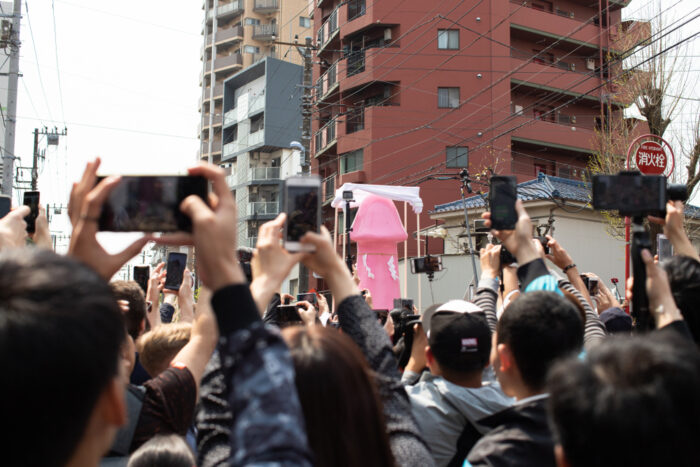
(536, 370)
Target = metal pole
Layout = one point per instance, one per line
(469, 239)
(212, 79)
(306, 108)
(8, 158)
(35, 161)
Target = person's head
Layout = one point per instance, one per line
(534, 331)
(459, 341)
(616, 321)
(132, 292)
(342, 410)
(61, 333)
(684, 276)
(159, 346)
(631, 401)
(163, 451)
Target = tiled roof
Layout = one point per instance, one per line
(545, 187)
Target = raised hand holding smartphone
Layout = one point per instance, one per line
(31, 199)
(302, 198)
(502, 198)
(175, 270)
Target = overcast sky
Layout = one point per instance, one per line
(129, 82)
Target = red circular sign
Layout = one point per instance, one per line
(650, 158)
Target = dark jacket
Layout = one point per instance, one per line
(520, 436)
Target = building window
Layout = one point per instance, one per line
(355, 8)
(448, 39)
(257, 123)
(448, 98)
(251, 22)
(351, 161)
(304, 22)
(456, 156)
(251, 49)
(355, 120)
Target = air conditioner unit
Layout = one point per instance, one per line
(518, 109)
(387, 34)
(590, 64)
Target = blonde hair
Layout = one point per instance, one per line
(159, 346)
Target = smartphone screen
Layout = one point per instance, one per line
(663, 247)
(141, 276)
(630, 194)
(151, 203)
(174, 270)
(31, 199)
(288, 314)
(5, 205)
(308, 297)
(303, 207)
(502, 197)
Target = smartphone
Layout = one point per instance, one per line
(663, 247)
(592, 285)
(141, 276)
(5, 205)
(403, 304)
(426, 264)
(382, 316)
(151, 203)
(502, 197)
(307, 297)
(302, 199)
(174, 270)
(630, 193)
(288, 314)
(31, 199)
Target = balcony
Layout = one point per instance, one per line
(326, 136)
(264, 32)
(328, 82)
(225, 62)
(243, 143)
(550, 132)
(328, 30)
(534, 24)
(215, 148)
(263, 208)
(537, 74)
(264, 173)
(218, 93)
(329, 187)
(223, 36)
(266, 6)
(255, 105)
(231, 9)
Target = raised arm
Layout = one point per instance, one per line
(561, 259)
(487, 292)
(673, 229)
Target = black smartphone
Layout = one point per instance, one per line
(382, 316)
(151, 203)
(5, 205)
(31, 199)
(141, 276)
(630, 193)
(307, 297)
(663, 247)
(502, 197)
(302, 203)
(175, 269)
(288, 314)
(424, 264)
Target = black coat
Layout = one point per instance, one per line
(519, 436)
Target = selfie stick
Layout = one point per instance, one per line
(466, 184)
(640, 301)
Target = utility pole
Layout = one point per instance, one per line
(8, 152)
(52, 137)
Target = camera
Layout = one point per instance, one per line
(426, 264)
(347, 195)
(634, 194)
(403, 319)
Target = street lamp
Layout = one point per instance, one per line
(299, 147)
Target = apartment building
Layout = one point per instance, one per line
(237, 34)
(407, 89)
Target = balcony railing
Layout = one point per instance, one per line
(327, 81)
(264, 31)
(225, 35)
(325, 136)
(226, 9)
(226, 61)
(264, 173)
(356, 62)
(328, 29)
(538, 7)
(266, 6)
(260, 208)
(329, 187)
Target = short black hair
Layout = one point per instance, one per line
(631, 401)
(540, 327)
(132, 292)
(684, 276)
(163, 451)
(60, 335)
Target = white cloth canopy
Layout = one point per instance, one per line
(408, 194)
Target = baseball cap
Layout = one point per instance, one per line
(616, 320)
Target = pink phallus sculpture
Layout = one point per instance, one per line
(376, 230)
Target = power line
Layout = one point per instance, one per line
(38, 70)
(58, 70)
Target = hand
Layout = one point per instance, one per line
(80, 190)
(286, 298)
(322, 304)
(155, 283)
(307, 312)
(605, 299)
(389, 326)
(673, 229)
(41, 236)
(417, 361)
(83, 243)
(214, 230)
(185, 298)
(659, 293)
(13, 228)
(325, 262)
(516, 241)
(539, 248)
(271, 263)
(355, 277)
(557, 254)
(490, 258)
(367, 297)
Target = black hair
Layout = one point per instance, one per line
(540, 327)
(60, 335)
(132, 292)
(163, 451)
(684, 277)
(634, 401)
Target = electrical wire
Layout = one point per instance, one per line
(58, 70)
(38, 70)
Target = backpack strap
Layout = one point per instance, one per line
(466, 441)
